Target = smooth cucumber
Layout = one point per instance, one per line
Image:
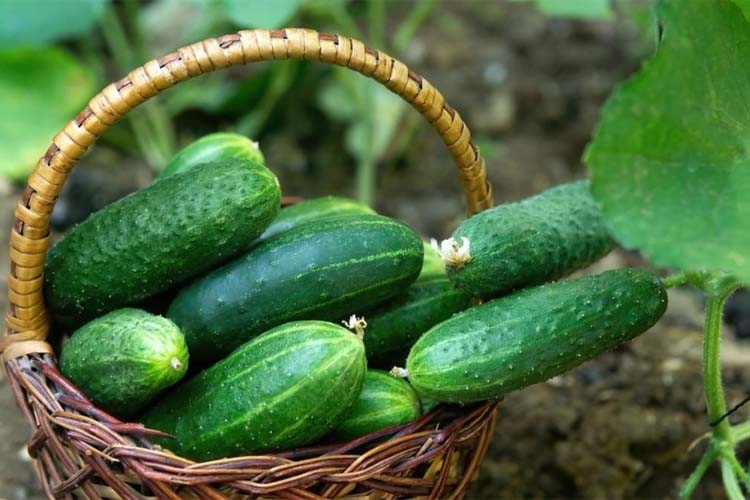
(124, 359)
(284, 389)
(530, 242)
(385, 401)
(321, 270)
(393, 327)
(210, 148)
(533, 335)
(309, 210)
(158, 237)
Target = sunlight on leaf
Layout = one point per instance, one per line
(40, 90)
(670, 160)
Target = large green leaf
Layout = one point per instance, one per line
(670, 160)
(40, 90)
(260, 13)
(34, 22)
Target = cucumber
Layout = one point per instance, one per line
(153, 239)
(385, 401)
(427, 403)
(210, 148)
(322, 270)
(284, 389)
(308, 210)
(394, 327)
(533, 335)
(530, 242)
(433, 265)
(124, 359)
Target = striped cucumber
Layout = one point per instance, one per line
(309, 210)
(533, 335)
(530, 242)
(124, 359)
(210, 148)
(321, 270)
(158, 237)
(286, 388)
(385, 401)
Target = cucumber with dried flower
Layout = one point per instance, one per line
(533, 335)
(285, 388)
(210, 148)
(529, 242)
(385, 401)
(124, 359)
(158, 237)
(325, 269)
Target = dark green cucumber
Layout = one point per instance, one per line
(530, 242)
(393, 327)
(533, 335)
(284, 389)
(385, 401)
(153, 239)
(321, 270)
(210, 148)
(124, 359)
(308, 210)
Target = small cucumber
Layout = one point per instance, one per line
(286, 388)
(394, 327)
(385, 401)
(124, 359)
(160, 236)
(530, 242)
(533, 335)
(308, 210)
(210, 148)
(321, 270)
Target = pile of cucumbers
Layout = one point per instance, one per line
(284, 323)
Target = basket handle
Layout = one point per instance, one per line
(26, 320)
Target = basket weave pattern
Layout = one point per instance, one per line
(80, 450)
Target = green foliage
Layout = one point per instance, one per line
(36, 22)
(260, 13)
(670, 160)
(583, 9)
(40, 90)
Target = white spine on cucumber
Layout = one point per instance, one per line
(357, 324)
(399, 372)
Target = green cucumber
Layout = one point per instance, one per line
(308, 210)
(124, 359)
(533, 335)
(385, 401)
(321, 270)
(394, 327)
(433, 264)
(160, 236)
(286, 388)
(530, 242)
(210, 148)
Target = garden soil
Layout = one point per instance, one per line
(626, 425)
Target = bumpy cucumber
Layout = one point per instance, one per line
(210, 148)
(153, 239)
(321, 270)
(393, 327)
(308, 210)
(124, 359)
(385, 401)
(533, 335)
(284, 389)
(530, 242)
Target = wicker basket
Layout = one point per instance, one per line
(80, 451)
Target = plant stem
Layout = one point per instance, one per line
(366, 179)
(700, 470)
(715, 403)
(678, 279)
(376, 23)
(410, 25)
(731, 485)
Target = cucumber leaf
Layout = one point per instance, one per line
(40, 90)
(36, 22)
(670, 159)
